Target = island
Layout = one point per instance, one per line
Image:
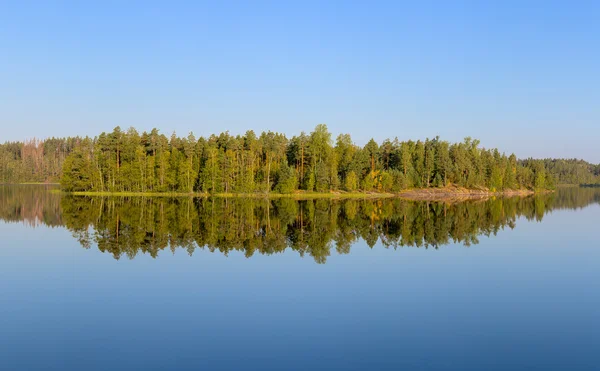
(273, 165)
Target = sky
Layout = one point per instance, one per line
(522, 76)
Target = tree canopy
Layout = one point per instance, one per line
(127, 161)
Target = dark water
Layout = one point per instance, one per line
(229, 284)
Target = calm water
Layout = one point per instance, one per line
(216, 284)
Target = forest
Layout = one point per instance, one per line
(127, 161)
(129, 226)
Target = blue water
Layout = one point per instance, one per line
(526, 299)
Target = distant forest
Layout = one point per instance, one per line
(127, 161)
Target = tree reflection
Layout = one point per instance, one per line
(128, 226)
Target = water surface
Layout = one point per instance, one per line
(163, 283)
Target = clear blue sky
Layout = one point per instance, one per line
(523, 76)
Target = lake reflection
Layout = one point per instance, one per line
(522, 299)
(129, 226)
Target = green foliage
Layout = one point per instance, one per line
(399, 180)
(368, 182)
(568, 171)
(386, 181)
(126, 161)
(496, 179)
(309, 181)
(77, 173)
(286, 180)
(351, 182)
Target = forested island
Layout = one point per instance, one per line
(152, 163)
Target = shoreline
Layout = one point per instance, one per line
(418, 194)
(457, 193)
(30, 183)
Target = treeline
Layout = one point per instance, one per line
(127, 161)
(129, 226)
(570, 171)
(151, 162)
(35, 161)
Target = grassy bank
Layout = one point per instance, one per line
(31, 183)
(426, 194)
(298, 195)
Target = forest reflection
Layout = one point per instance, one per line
(129, 226)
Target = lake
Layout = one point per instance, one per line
(120, 283)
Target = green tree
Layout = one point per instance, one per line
(351, 182)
